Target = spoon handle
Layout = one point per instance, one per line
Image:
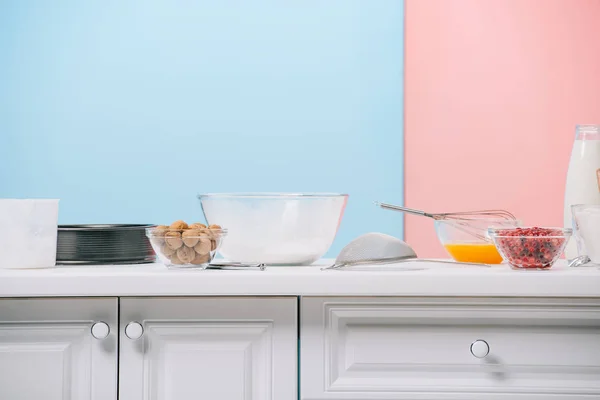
(400, 260)
(228, 265)
(449, 262)
(342, 264)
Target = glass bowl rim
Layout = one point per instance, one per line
(566, 232)
(272, 195)
(584, 205)
(453, 221)
(214, 232)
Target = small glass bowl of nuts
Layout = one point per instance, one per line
(180, 245)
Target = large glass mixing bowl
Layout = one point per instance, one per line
(275, 228)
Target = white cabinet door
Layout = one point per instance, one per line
(208, 348)
(47, 350)
(450, 349)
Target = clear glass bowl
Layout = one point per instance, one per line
(468, 240)
(586, 230)
(276, 228)
(189, 248)
(523, 248)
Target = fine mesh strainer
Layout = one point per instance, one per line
(379, 248)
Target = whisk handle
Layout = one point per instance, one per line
(403, 209)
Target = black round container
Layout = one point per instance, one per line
(103, 244)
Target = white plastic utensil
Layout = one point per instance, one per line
(379, 248)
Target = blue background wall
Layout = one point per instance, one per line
(126, 110)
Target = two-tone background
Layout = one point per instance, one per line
(125, 110)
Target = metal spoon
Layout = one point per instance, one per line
(579, 261)
(234, 265)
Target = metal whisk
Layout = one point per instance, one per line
(465, 215)
(459, 217)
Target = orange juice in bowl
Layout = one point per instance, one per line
(485, 253)
(468, 240)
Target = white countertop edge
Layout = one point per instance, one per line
(439, 280)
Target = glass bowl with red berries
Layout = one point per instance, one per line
(530, 247)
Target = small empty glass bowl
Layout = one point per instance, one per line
(531, 248)
(468, 240)
(178, 248)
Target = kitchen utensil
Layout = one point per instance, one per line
(379, 248)
(464, 246)
(464, 215)
(582, 185)
(586, 229)
(177, 248)
(103, 244)
(275, 228)
(460, 218)
(530, 248)
(579, 261)
(28, 233)
(236, 266)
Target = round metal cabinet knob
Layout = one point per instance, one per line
(480, 348)
(134, 330)
(100, 330)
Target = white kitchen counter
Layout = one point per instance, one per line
(436, 279)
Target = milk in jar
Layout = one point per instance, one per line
(583, 177)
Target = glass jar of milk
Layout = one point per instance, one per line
(583, 178)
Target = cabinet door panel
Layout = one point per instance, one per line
(214, 348)
(47, 350)
(411, 348)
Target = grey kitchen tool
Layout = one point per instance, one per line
(379, 248)
(464, 215)
(103, 244)
(579, 261)
(459, 219)
(235, 266)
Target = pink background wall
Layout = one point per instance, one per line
(494, 89)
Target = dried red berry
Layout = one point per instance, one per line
(530, 247)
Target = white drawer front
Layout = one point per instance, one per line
(407, 348)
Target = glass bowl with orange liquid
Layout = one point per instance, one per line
(466, 243)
